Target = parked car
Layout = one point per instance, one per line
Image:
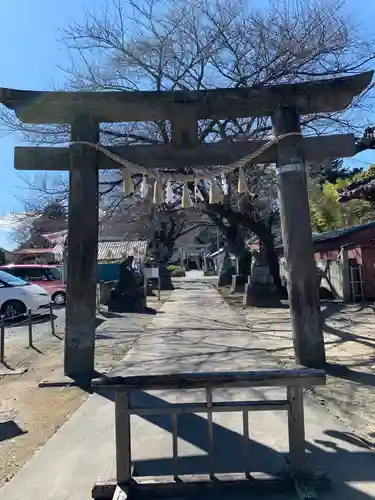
(47, 276)
(17, 296)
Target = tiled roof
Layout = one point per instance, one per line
(33, 251)
(114, 250)
(338, 233)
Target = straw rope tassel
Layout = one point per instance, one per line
(215, 194)
(144, 187)
(224, 184)
(158, 197)
(169, 193)
(127, 184)
(179, 177)
(242, 184)
(186, 198)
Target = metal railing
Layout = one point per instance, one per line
(293, 380)
(28, 319)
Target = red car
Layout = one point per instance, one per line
(47, 276)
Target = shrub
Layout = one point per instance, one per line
(177, 271)
(172, 267)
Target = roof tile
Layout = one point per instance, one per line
(114, 250)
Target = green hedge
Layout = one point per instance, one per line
(173, 267)
(177, 271)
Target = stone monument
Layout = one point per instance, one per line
(260, 289)
(128, 294)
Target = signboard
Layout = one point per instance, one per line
(151, 272)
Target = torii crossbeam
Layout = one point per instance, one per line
(84, 111)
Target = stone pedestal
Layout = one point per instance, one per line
(127, 301)
(105, 291)
(260, 291)
(238, 283)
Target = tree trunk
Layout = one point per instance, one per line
(236, 245)
(162, 253)
(259, 228)
(244, 261)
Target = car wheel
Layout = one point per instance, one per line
(59, 298)
(13, 308)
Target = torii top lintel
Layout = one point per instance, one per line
(61, 107)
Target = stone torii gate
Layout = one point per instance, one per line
(84, 111)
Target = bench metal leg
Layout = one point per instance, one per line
(123, 441)
(296, 427)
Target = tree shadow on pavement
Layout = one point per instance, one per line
(342, 371)
(343, 467)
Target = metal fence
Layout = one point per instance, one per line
(28, 319)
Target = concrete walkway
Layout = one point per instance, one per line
(194, 331)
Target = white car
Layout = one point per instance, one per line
(17, 296)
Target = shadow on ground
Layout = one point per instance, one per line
(9, 430)
(232, 454)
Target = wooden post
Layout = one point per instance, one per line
(296, 431)
(82, 254)
(123, 440)
(297, 241)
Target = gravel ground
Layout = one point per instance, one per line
(30, 415)
(349, 331)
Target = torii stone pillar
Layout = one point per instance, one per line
(82, 255)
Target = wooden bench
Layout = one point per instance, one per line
(125, 485)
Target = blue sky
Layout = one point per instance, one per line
(29, 59)
(31, 56)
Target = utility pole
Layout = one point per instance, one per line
(303, 291)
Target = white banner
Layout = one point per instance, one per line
(151, 272)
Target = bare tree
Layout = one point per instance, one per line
(162, 226)
(191, 44)
(37, 220)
